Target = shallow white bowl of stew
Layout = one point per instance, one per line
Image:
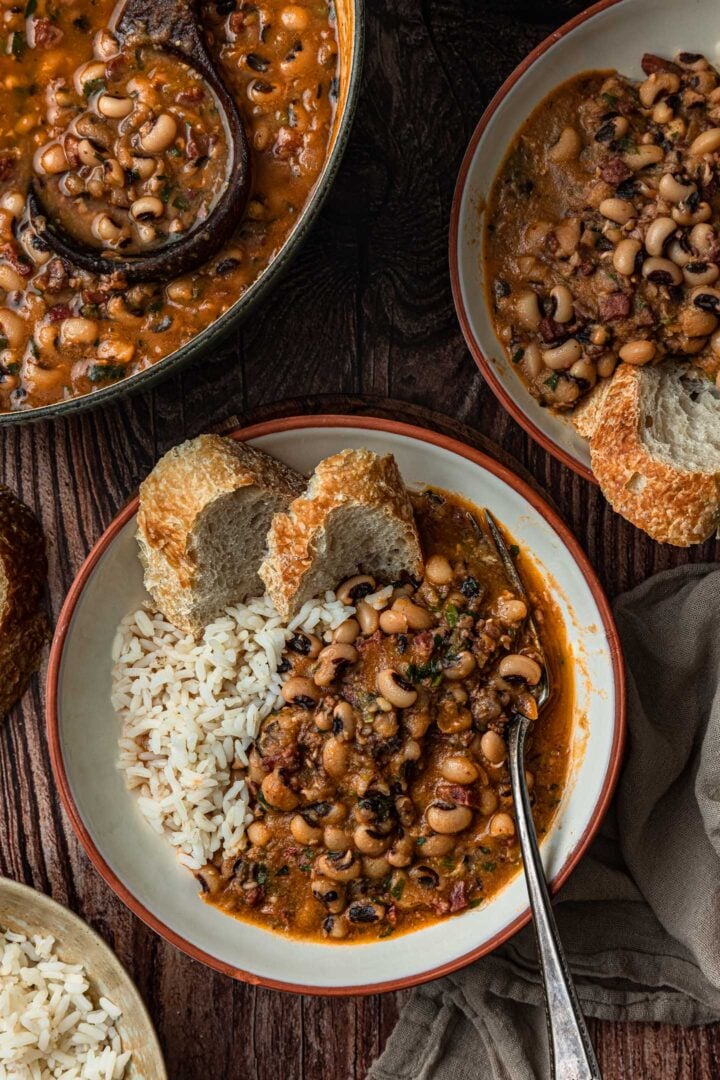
(141, 867)
(611, 35)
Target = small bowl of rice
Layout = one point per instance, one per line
(68, 1010)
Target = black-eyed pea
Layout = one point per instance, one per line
(435, 845)
(259, 834)
(393, 622)
(562, 357)
(347, 632)
(696, 323)
(532, 360)
(159, 135)
(438, 570)
(301, 692)
(418, 618)
(493, 747)
(463, 665)
(304, 832)
(662, 271)
(488, 801)
(277, 793)
(707, 142)
(397, 690)
(658, 233)
(701, 272)
(369, 841)
(335, 838)
(585, 371)
(14, 328)
(335, 757)
(618, 210)
(355, 588)
(625, 255)
(644, 157)
(329, 893)
(459, 769)
(563, 304)
(367, 617)
(638, 352)
(447, 818)
(502, 826)
(606, 364)
(659, 82)
(518, 666)
(527, 310)
(568, 146)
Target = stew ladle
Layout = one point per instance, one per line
(571, 1051)
(164, 26)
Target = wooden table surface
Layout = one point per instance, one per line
(365, 310)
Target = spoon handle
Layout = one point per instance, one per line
(571, 1051)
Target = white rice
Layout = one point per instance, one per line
(191, 709)
(51, 1025)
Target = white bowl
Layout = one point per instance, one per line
(25, 911)
(141, 867)
(612, 34)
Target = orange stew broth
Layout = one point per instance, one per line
(276, 883)
(64, 332)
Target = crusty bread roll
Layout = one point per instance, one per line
(205, 510)
(355, 516)
(23, 625)
(656, 451)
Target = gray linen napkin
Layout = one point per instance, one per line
(640, 916)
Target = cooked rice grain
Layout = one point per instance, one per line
(191, 709)
(51, 1025)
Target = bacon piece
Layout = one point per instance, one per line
(651, 64)
(17, 260)
(8, 161)
(550, 331)
(191, 95)
(458, 897)
(615, 171)
(46, 34)
(287, 143)
(459, 794)
(116, 67)
(615, 305)
(423, 645)
(58, 312)
(197, 145)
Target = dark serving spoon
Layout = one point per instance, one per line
(571, 1051)
(170, 26)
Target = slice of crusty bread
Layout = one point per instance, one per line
(586, 416)
(656, 451)
(355, 516)
(205, 510)
(24, 628)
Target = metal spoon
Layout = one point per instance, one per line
(170, 26)
(571, 1051)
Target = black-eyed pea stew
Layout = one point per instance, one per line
(615, 255)
(380, 791)
(130, 152)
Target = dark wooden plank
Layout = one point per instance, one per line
(365, 309)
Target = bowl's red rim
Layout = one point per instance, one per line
(421, 435)
(483, 362)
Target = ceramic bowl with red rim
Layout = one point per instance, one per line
(140, 865)
(611, 35)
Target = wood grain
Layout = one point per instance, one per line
(365, 310)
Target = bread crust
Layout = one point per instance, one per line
(181, 487)
(24, 628)
(359, 478)
(671, 504)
